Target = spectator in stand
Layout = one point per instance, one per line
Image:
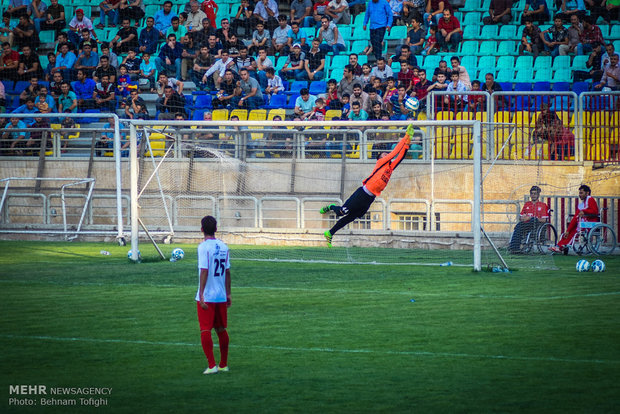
(201, 37)
(458, 102)
(440, 84)
(338, 12)
(233, 45)
(163, 81)
(64, 62)
(29, 64)
(244, 61)
(112, 58)
(125, 39)
(331, 96)
(591, 34)
(262, 63)
(67, 101)
(55, 85)
(594, 64)
(531, 41)
(228, 91)
(573, 34)
(279, 39)
(356, 68)
(318, 11)
(54, 18)
(536, 10)
(44, 102)
(210, 9)
(147, 71)
(88, 40)
(25, 34)
(47, 71)
(133, 104)
(421, 89)
(360, 96)
(430, 44)
(491, 86)
(301, 13)
(170, 104)
(2, 97)
(109, 9)
(547, 125)
(266, 11)
(87, 61)
(611, 75)
(225, 33)
(104, 95)
(357, 113)
(348, 81)
(37, 10)
(403, 55)
(105, 68)
(555, 36)
(214, 75)
(610, 50)
(40, 124)
(397, 11)
(405, 77)
(170, 56)
(84, 87)
(381, 71)
(17, 8)
(463, 74)
(6, 30)
(244, 18)
(415, 36)
(570, 8)
(379, 15)
(202, 63)
(132, 63)
(177, 29)
(295, 35)
(195, 16)
(314, 64)
(331, 37)
(215, 47)
(148, 38)
(131, 9)
(377, 112)
(251, 95)
(304, 104)
(274, 83)
(294, 63)
(500, 12)
(366, 77)
(163, 18)
(31, 91)
(434, 11)
(260, 38)
(77, 23)
(16, 139)
(396, 105)
(449, 34)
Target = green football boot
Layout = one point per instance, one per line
(328, 238)
(326, 208)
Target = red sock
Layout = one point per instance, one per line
(207, 347)
(222, 336)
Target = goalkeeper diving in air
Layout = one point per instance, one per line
(359, 202)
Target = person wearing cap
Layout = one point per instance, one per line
(533, 212)
(295, 35)
(294, 63)
(279, 39)
(76, 25)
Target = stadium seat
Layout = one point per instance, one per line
(280, 63)
(317, 87)
(9, 87)
(431, 62)
(506, 62)
(198, 115)
(507, 48)
(277, 102)
(562, 75)
(291, 102)
(542, 62)
(241, 113)
(332, 113)
(469, 62)
(488, 48)
(543, 75)
(604, 30)
(580, 87)
(472, 32)
(90, 120)
(541, 86)
(339, 61)
(508, 32)
(358, 46)
(203, 102)
(505, 75)
(487, 62)
(506, 86)
(470, 6)
(579, 62)
(524, 62)
(20, 86)
(276, 112)
(469, 47)
(309, 32)
(337, 74)
(561, 87)
(296, 86)
(614, 33)
(396, 33)
(561, 62)
(472, 18)
(220, 115)
(47, 36)
(489, 32)
(482, 72)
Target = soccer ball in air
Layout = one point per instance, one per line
(178, 254)
(598, 266)
(129, 255)
(582, 265)
(412, 103)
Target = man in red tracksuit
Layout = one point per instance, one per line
(587, 210)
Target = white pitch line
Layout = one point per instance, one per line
(326, 350)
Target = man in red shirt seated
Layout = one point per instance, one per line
(449, 33)
(532, 213)
(587, 210)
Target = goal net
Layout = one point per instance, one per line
(265, 182)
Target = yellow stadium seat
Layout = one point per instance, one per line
(444, 116)
(464, 116)
(523, 119)
(332, 113)
(565, 117)
(220, 115)
(502, 117)
(279, 112)
(442, 148)
(538, 152)
(158, 145)
(481, 116)
(461, 149)
(241, 113)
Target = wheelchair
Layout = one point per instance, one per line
(594, 237)
(542, 236)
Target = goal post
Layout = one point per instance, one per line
(269, 193)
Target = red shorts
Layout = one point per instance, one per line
(216, 316)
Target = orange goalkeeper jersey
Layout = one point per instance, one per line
(380, 176)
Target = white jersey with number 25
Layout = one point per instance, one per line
(213, 255)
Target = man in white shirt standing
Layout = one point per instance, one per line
(213, 295)
(338, 10)
(218, 69)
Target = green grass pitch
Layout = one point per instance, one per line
(308, 338)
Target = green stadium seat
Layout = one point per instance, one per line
(506, 62)
(431, 62)
(472, 32)
(524, 62)
(489, 32)
(469, 47)
(487, 62)
(561, 62)
(470, 6)
(488, 48)
(542, 62)
(310, 32)
(505, 75)
(397, 32)
(524, 75)
(47, 36)
(543, 75)
(280, 62)
(358, 46)
(508, 32)
(579, 62)
(339, 61)
(614, 33)
(617, 44)
(604, 30)
(469, 62)
(472, 18)
(562, 75)
(482, 71)
(507, 48)
(336, 73)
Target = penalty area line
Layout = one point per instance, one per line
(317, 349)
